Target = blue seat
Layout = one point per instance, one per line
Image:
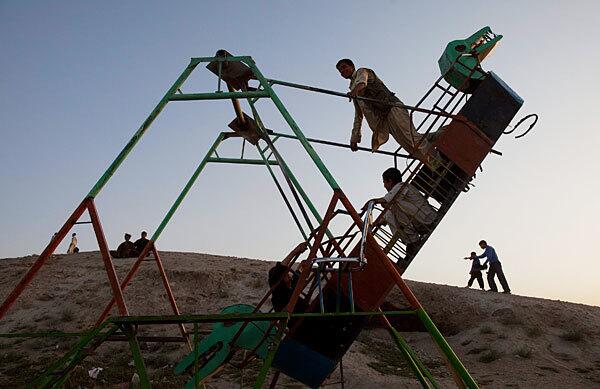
(303, 364)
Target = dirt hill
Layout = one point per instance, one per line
(504, 341)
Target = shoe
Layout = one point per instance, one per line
(492, 290)
(506, 292)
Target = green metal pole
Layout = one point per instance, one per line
(236, 317)
(138, 360)
(418, 367)
(446, 349)
(243, 161)
(291, 175)
(413, 365)
(264, 370)
(285, 200)
(46, 377)
(196, 347)
(187, 187)
(140, 132)
(78, 357)
(217, 96)
(288, 118)
(421, 365)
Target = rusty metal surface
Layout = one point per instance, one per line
(234, 73)
(248, 129)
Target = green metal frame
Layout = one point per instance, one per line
(50, 378)
(57, 373)
(124, 324)
(252, 96)
(136, 353)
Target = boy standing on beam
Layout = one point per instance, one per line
(383, 119)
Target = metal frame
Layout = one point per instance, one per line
(314, 235)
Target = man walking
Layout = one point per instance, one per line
(384, 119)
(495, 267)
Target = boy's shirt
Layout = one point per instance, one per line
(476, 265)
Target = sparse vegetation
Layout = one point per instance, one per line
(388, 359)
(67, 314)
(549, 368)
(572, 336)
(11, 357)
(510, 320)
(257, 283)
(157, 361)
(582, 369)
(524, 352)
(477, 350)
(533, 332)
(43, 317)
(486, 329)
(479, 339)
(222, 293)
(387, 369)
(41, 343)
(489, 356)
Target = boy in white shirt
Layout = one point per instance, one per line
(409, 213)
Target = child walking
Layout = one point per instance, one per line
(475, 272)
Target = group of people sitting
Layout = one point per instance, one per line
(129, 249)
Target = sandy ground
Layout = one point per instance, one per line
(504, 341)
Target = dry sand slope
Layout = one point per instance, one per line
(504, 341)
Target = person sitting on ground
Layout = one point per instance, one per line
(141, 243)
(383, 119)
(409, 213)
(73, 245)
(495, 268)
(475, 272)
(126, 249)
(283, 284)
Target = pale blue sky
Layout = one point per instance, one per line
(78, 78)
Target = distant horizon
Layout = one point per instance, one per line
(514, 293)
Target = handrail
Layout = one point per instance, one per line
(366, 227)
(362, 261)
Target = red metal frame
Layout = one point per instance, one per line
(126, 281)
(116, 286)
(305, 265)
(37, 265)
(170, 295)
(108, 264)
(381, 255)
